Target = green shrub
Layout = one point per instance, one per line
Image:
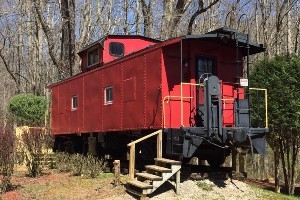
(28, 109)
(62, 162)
(79, 165)
(94, 166)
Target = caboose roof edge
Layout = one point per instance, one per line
(229, 34)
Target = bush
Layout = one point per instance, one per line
(61, 162)
(79, 165)
(35, 145)
(94, 166)
(7, 152)
(28, 109)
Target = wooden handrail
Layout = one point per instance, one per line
(132, 150)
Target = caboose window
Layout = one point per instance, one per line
(93, 57)
(108, 95)
(74, 102)
(204, 67)
(116, 49)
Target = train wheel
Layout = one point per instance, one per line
(216, 160)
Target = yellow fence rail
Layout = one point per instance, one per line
(266, 103)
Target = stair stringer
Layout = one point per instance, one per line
(165, 176)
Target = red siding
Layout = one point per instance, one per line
(112, 76)
(171, 90)
(64, 108)
(55, 110)
(76, 89)
(132, 109)
(93, 101)
(153, 99)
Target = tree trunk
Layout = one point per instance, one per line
(288, 32)
(86, 18)
(68, 37)
(276, 165)
(148, 17)
(49, 36)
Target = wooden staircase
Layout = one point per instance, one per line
(143, 184)
(156, 175)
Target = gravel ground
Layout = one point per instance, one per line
(205, 189)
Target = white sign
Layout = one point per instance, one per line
(244, 82)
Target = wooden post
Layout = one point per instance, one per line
(159, 145)
(234, 160)
(117, 172)
(132, 162)
(242, 163)
(177, 181)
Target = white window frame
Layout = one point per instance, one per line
(73, 103)
(108, 101)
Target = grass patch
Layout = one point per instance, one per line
(270, 195)
(105, 175)
(204, 186)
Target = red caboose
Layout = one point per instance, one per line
(190, 87)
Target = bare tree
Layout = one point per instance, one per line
(201, 9)
(68, 36)
(147, 10)
(282, 10)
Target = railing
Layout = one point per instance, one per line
(266, 103)
(181, 99)
(164, 109)
(132, 150)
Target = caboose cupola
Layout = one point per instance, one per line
(111, 47)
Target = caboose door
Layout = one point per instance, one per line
(204, 67)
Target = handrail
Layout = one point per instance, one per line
(226, 99)
(266, 102)
(132, 150)
(170, 97)
(181, 97)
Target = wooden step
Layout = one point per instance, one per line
(169, 161)
(134, 192)
(149, 176)
(158, 168)
(140, 184)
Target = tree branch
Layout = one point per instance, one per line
(200, 10)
